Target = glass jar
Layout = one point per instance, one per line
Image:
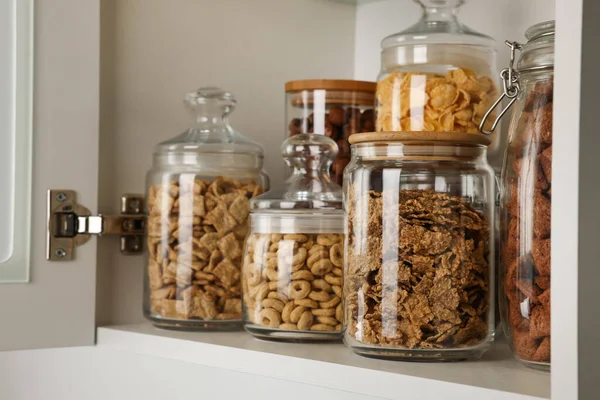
(198, 201)
(419, 271)
(438, 75)
(292, 274)
(335, 108)
(527, 199)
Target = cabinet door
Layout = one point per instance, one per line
(49, 97)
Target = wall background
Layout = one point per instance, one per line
(155, 51)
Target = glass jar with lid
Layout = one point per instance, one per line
(292, 273)
(527, 199)
(438, 75)
(198, 201)
(332, 107)
(419, 265)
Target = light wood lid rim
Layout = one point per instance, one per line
(331, 84)
(422, 137)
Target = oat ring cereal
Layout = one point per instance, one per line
(298, 281)
(270, 317)
(273, 303)
(331, 302)
(321, 267)
(303, 275)
(306, 321)
(327, 240)
(299, 289)
(336, 255)
(296, 313)
(286, 313)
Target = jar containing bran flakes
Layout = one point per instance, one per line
(198, 199)
(419, 265)
(527, 200)
(292, 272)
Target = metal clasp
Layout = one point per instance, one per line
(512, 88)
(70, 225)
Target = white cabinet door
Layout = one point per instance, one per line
(46, 304)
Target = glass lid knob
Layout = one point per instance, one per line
(310, 156)
(309, 152)
(440, 3)
(210, 102)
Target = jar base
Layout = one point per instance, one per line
(540, 366)
(280, 335)
(195, 325)
(449, 355)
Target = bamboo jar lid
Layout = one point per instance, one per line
(422, 137)
(331, 84)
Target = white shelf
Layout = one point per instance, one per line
(496, 376)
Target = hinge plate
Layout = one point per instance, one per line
(70, 224)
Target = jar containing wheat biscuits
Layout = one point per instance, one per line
(198, 198)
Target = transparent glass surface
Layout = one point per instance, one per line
(437, 75)
(198, 199)
(419, 265)
(292, 273)
(16, 66)
(526, 207)
(336, 113)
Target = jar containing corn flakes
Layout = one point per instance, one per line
(198, 199)
(292, 273)
(438, 76)
(335, 108)
(527, 199)
(419, 264)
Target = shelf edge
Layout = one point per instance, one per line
(318, 373)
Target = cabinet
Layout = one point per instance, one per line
(109, 76)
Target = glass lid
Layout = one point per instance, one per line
(212, 132)
(538, 52)
(438, 25)
(309, 187)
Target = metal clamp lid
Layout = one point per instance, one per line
(512, 88)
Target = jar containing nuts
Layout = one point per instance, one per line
(438, 75)
(335, 108)
(419, 270)
(527, 201)
(292, 273)
(198, 199)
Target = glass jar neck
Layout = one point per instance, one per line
(439, 11)
(420, 151)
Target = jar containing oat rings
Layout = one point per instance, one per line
(292, 274)
(419, 270)
(335, 108)
(527, 200)
(198, 196)
(438, 75)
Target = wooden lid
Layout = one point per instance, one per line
(422, 137)
(331, 84)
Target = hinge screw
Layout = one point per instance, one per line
(60, 253)
(61, 197)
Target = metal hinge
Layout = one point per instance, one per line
(70, 224)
